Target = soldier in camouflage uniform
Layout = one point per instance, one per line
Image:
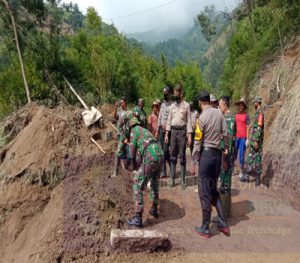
(227, 159)
(121, 115)
(256, 144)
(139, 112)
(142, 142)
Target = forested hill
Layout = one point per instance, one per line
(186, 47)
(55, 41)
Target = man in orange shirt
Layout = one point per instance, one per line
(153, 118)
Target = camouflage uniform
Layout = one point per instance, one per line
(228, 160)
(256, 135)
(143, 142)
(141, 115)
(123, 131)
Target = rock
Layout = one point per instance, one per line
(139, 240)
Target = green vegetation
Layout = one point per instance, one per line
(101, 64)
(57, 41)
(188, 48)
(260, 29)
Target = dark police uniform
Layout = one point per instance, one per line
(213, 127)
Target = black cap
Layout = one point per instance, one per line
(166, 90)
(123, 98)
(204, 96)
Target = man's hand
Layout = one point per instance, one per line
(225, 152)
(125, 141)
(190, 141)
(247, 143)
(116, 104)
(166, 139)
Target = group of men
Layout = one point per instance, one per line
(147, 146)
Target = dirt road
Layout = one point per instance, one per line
(261, 223)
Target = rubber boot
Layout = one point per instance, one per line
(226, 204)
(153, 211)
(182, 177)
(117, 165)
(203, 230)
(172, 176)
(163, 173)
(257, 180)
(245, 178)
(223, 227)
(136, 220)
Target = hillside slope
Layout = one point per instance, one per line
(279, 85)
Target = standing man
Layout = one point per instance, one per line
(227, 159)
(161, 129)
(139, 112)
(180, 125)
(213, 127)
(242, 120)
(213, 101)
(153, 118)
(142, 143)
(256, 140)
(194, 118)
(120, 116)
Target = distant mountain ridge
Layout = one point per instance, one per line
(186, 47)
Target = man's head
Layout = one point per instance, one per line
(178, 93)
(213, 101)
(242, 105)
(204, 99)
(224, 103)
(141, 103)
(167, 93)
(123, 103)
(134, 121)
(155, 107)
(257, 101)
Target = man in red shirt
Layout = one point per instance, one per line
(242, 120)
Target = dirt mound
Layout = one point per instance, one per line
(44, 140)
(57, 199)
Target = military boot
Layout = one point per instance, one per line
(223, 227)
(117, 165)
(203, 230)
(182, 177)
(172, 176)
(153, 211)
(257, 180)
(136, 220)
(226, 204)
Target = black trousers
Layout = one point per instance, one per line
(178, 145)
(209, 171)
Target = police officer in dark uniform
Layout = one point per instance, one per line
(213, 127)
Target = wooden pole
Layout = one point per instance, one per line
(76, 94)
(6, 4)
(101, 149)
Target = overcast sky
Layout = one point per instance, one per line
(143, 15)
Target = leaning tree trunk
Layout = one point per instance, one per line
(18, 48)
